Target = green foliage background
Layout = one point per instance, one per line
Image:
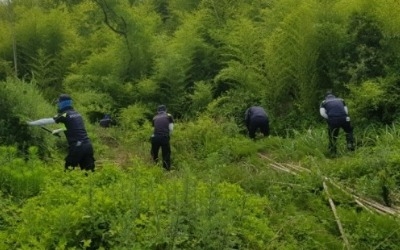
(208, 61)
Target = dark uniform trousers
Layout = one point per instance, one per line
(334, 125)
(80, 154)
(258, 122)
(161, 141)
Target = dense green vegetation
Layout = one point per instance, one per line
(207, 60)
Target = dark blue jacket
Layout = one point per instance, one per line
(334, 107)
(161, 123)
(74, 124)
(254, 112)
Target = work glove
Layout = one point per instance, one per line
(170, 128)
(57, 131)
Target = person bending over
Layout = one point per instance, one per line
(336, 113)
(256, 118)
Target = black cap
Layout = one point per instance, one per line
(161, 108)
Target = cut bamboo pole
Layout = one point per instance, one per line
(339, 224)
(367, 204)
(375, 205)
(282, 168)
(299, 168)
(362, 205)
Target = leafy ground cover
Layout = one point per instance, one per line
(225, 192)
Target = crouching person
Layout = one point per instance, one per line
(256, 118)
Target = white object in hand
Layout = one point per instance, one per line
(41, 122)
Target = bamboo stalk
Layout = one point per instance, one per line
(350, 192)
(363, 202)
(300, 168)
(286, 166)
(282, 168)
(377, 206)
(293, 167)
(362, 205)
(286, 184)
(339, 224)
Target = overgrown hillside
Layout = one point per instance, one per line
(225, 192)
(207, 61)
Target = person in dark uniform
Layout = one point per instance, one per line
(163, 124)
(80, 149)
(106, 121)
(256, 118)
(336, 113)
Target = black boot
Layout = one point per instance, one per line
(350, 142)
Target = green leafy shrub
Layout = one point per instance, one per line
(20, 178)
(371, 230)
(233, 104)
(201, 97)
(137, 209)
(20, 102)
(374, 101)
(133, 117)
(93, 95)
(9, 215)
(201, 139)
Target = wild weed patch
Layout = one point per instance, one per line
(226, 191)
(139, 210)
(20, 178)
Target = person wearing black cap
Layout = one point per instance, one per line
(80, 150)
(256, 118)
(163, 124)
(336, 113)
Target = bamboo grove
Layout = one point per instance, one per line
(193, 55)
